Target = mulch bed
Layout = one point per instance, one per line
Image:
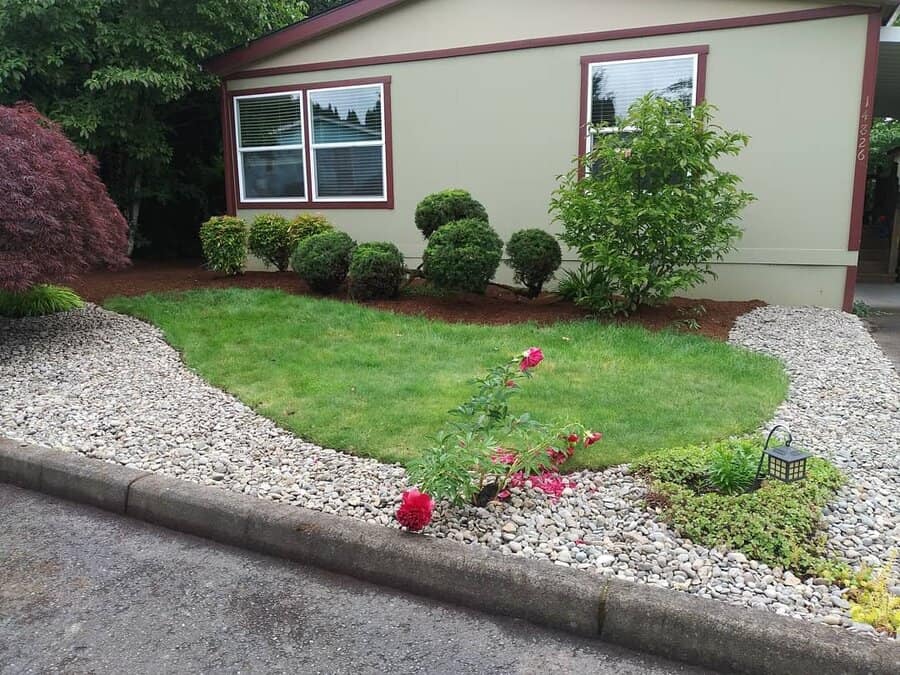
(498, 306)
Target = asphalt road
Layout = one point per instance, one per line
(84, 591)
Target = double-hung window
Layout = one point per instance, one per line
(614, 85)
(317, 145)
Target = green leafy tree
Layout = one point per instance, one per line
(647, 208)
(121, 76)
(884, 137)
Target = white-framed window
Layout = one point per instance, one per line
(270, 148)
(613, 86)
(347, 143)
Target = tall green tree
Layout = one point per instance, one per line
(122, 77)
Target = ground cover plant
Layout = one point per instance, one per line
(777, 524)
(380, 384)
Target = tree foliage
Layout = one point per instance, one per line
(884, 137)
(56, 218)
(648, 209)
(119, 75)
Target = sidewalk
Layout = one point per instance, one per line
(884, 323)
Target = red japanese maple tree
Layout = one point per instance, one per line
(56, 217)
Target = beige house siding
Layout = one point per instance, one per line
(505, 125)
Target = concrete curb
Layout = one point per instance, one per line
(667, 623)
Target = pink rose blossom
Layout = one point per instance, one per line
(415, 511)
(531, 357)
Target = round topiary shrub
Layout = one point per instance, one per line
(447, 206)
(271, 240)
(307, 224)
(322, 260)
(463, 256)
(376, 271)
(224, 242)
(535, 256)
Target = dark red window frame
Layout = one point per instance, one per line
(232, 185)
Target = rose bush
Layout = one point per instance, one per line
(486, 449)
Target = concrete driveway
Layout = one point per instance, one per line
(84, 591)
(884, 323)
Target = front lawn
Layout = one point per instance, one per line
(378, 384)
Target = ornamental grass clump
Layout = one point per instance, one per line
(779, 524)
(224, 242)
(486, 449)
(39, 300)
(648, 208)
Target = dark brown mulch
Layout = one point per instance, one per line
(498, 306)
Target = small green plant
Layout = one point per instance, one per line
(307, 224)
(535, 256)
(447, 206)
(323, 260)
(376, 271)
(486, 447)
(224, 242)
(39, 300)
(864, 310)
(732, 467)
(872, 601)
(778, 524)
(463, 256)
(649, 211)
(271, 240)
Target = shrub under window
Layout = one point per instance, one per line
(224, 241)
(463, 256)
(376, 271)
(649, 211)
(270, 240)
(323, 260)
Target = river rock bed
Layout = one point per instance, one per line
(108, 386)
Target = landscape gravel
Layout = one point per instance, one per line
(108, 386)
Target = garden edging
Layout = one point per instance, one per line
(670, 624)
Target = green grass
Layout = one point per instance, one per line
(379, 384)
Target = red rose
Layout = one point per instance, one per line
(572, 438)
(531, 357)
(511, 384)
(557, 457)
(415, 510)
(592, 437)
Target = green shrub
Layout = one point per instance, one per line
(649, 211)
(732, 467)
(447, 206)
(39, 300)
(323, 260)
(463, 256)
(778, 524)
(376, 271)
(534, 256)
(224, 242)
(270, 240)
(307, 224)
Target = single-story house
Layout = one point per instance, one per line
(363, 110)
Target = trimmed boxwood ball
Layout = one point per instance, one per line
(224, 242)
(447, 206)
(463, 256)
(271, 240)
(323, 260)
(376, 271)
(535, 256)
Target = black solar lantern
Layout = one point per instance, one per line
(785, 463)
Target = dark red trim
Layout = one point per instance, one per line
(866, 103)
(556, 41)
(700, 50)
(231, 164)
(228, 141)
(295, 34)
(849, 289)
